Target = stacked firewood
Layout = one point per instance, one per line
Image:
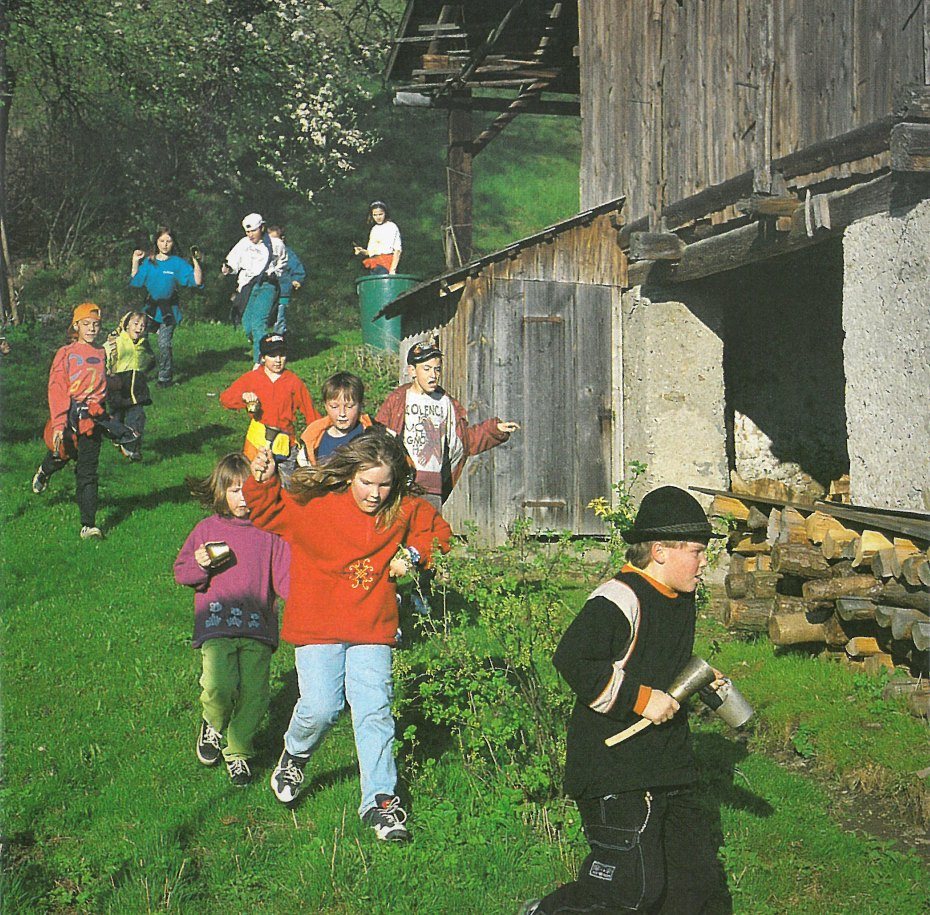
(803, 575)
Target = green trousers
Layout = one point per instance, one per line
(236, 691)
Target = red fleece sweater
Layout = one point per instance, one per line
(279, 400)
(340, 590)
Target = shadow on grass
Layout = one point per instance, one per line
(208, 361)
(190, 442)
(718, 761)
(118, 510)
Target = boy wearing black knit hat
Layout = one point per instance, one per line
(650, 843)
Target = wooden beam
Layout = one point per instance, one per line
(913, 103)
(910, 148)
(533, 105)
(753, 243)
(656, 246)
(868, 140)
(766, 205)
(458, 236)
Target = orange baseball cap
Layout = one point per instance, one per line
(85, 310)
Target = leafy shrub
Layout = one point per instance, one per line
(486, 672)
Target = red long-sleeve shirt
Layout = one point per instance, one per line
(340, 589)
(280, 399)
(78, 373)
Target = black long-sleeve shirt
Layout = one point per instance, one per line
(633, 635)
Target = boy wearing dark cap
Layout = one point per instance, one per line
(273, 395)
(434, 425)
(650, 844)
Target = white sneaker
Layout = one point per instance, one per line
(91, 533)
(387, 819)
(287, 780)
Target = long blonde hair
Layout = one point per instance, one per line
(373, 448)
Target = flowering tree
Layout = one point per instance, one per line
(129, 97)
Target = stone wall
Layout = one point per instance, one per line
(886, 316)
(673, 400)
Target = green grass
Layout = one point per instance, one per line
(106, 809)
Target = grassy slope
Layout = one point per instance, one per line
(109, 811)
(106, 807)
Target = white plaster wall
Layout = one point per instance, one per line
(673, 394)
(886, 317)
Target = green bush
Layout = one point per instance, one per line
(485, 672)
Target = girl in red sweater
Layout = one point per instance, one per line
(352, 528)
(77, 389)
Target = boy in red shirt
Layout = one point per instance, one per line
(273, 395)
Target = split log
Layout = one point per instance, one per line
(886, 564)
(915, 570)
(839, 489)
(747, 546)
(729, 507)
(920, 635)
(842, 569)
(862, 646)
(898, 595)
(801, 559)
(818, 523)
(849, 549)
(837, 633)
(832, 588)
(756, 521)
(771, 528)
(869, 544)
(834, 540)
(794, 629)
(749, 615)
(876, 663)
(791, 527)
(855, 608)
(752, 584)
(785, 604)
(902, 621)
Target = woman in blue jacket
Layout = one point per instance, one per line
(162, 274)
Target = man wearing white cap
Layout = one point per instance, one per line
(258, 259)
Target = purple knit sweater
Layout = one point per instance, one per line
(237, 600)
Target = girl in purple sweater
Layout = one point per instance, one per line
(235, 570)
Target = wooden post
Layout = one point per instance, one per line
(458, 237)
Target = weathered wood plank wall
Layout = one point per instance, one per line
(676, 98)
(530, 340)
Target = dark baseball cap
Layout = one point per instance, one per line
(273, 345)
(423, 352)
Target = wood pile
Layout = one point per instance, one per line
(855, 580)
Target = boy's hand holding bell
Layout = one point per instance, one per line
(263, 467)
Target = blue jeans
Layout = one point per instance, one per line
(280, 325)
(255, 319)
(328, 676)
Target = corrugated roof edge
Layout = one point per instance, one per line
(409, 298)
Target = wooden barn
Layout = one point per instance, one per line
(767, 282)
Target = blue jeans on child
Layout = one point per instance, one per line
(328, 676)
(255, 320)
(280, 325)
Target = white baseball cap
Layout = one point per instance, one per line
(253, 221)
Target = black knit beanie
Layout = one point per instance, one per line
(669, 513)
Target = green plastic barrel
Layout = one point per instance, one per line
(374, 292)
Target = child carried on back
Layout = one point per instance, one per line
(235, 570)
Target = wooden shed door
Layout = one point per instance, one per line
(565, 343)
